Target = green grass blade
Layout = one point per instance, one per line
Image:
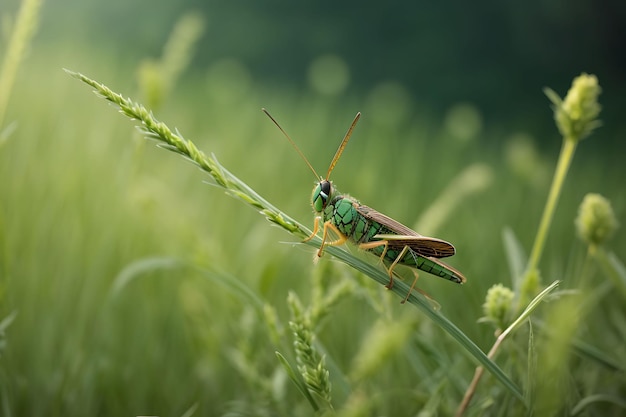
(532, 364)
(293, 375)
(515, 256)
(592, 399)
(6, 322)
(145, 265)
(530, 308)
(593, 353)
(234, 285)
(141, 266)
(26, 24)
(4, 325)
(613, 267)
(191, 411)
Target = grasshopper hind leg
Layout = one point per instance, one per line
(401, 256)
(390, 269)
(433, 302)
(408, 294)
(385, 243)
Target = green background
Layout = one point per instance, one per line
(85, 203)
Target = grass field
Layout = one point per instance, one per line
(130, 285)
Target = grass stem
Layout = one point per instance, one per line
(565, 159)
(23, 31)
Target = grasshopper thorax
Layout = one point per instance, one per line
(322, 194)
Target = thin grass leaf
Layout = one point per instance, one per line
(7, 131)
(146, 265)
(26, 25)
(234, 285)
(613, 268)
(191, 411)
(472, 180)
(297, 380)
(552, 96)
(531, 365)
(6, 322)
(515, 256)
(592, 399)
(140, 267)
(530, 308)
(593, 353)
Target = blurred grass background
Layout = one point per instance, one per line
(83, 199)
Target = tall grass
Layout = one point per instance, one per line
(24, 27)
(138, 289)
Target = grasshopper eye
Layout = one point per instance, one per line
(321, 194)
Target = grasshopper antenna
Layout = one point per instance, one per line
(342, 145)
(317, 177)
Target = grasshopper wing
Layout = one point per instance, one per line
(402, 236)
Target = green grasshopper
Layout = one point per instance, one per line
(394, 243)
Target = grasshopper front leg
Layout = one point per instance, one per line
(327, 225)
(316, 228)
(339, 241)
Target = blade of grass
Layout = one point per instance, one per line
(613, 268)
(515, 256)
(26, 24)
(145, 265)
(592, 399)
(295, 378)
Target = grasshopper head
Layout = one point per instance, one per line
(322, 194)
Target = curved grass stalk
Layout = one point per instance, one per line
(23, 31)
(174, 141)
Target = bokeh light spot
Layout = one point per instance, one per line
(329, 75)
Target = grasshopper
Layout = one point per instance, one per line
(350, 221)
